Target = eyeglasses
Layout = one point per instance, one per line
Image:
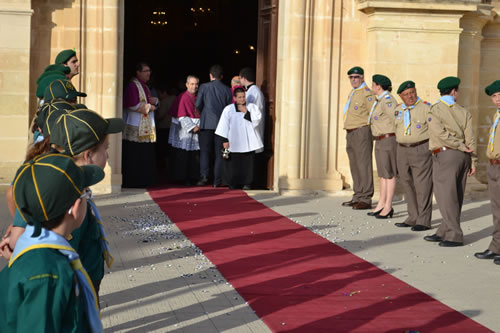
(354, 77)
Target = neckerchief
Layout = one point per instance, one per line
(346, 107)
(104, 242)
(448, 100)
(375, 105)
(51, 240)
(493, 130)
(407, 116)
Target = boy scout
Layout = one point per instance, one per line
(359, 140)
(381, 119)
(493, 154)
(452, 142)
(46, 288)
(414, 157)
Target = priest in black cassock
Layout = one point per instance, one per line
(238, 127)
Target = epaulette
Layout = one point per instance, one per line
(367, 89)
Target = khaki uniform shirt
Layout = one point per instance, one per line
(382, 120)
(495, 154)
(419, 128)
(359, 109)
(451, 126)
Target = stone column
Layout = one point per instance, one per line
(95, 29)
(15, 22)
(306, 115)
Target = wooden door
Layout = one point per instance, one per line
(266, 79)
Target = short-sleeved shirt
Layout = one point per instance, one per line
(419, 128)
(382, 119)
(495, 154)
(359, 108)
(40, 295)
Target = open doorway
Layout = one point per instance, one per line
(179, 38)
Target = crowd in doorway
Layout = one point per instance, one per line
(192, 134)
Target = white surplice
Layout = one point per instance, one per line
(255, 96)
(241, 133)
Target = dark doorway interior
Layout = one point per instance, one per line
(183, 37)
(196, 35)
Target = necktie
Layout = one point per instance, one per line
(346, 107)
(104, 242)
(493, 130)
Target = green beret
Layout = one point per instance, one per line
(381, 80)
(79, 130)
(448, 83)
(47, 186)
(492, 88)
(51, 73)
(64, 56)
(356, 70)
(406, 85)
(61, 89)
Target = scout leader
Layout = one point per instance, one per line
(45, 287)
(414, 157)
(381, 119)
(493, 154)
(359, 139)
(452, 143)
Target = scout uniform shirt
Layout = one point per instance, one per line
(359, 108)
(382, 117)
(493, 152)
(41, 279)
(450, 125)
(416, 129)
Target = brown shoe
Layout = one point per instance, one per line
(349, 203)
(362, 205)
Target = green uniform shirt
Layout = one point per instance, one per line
(41, 295)
(86, 241)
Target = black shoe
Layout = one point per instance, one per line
(361, 205)
(380, 216)
(446, 243)
(202, 182)
(217, 185)
(496, 261)
(402, 225)
(246, 187)
(486, 255)
(375, 213)
(419, 227)
(349, 203)
(433, 238)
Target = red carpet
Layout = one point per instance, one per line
(295, 280)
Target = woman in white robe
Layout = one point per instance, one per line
(238, 127)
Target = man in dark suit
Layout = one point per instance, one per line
(212, 97)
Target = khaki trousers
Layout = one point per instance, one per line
(415, 174)
(449, 175)
(359, 150)
(494, 189)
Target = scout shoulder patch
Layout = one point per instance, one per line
(425, 102)
(387, 97)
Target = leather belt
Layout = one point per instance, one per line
(353, 129)
(408, 145)
(437, 151)
(494, 162)
(383, 136)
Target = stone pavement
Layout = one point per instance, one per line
(161, 282)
